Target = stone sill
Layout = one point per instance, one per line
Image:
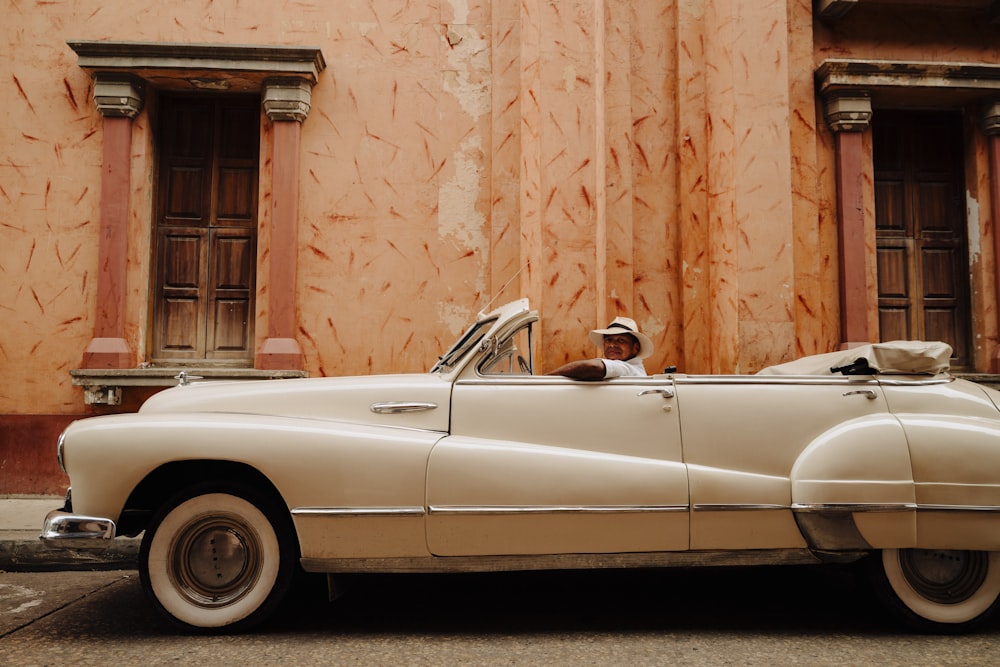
(102, 386)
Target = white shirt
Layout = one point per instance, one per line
(616, 369)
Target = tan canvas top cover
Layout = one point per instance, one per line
(898, 356)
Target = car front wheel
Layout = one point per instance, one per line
(937, 590)
(217, 557)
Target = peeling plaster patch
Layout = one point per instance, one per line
(365, 28)
(460, 10)
(455, 317)
(652, 327)
(975, 237)
(458, 217)
(569, 75)
(465, 75)
(457, 198)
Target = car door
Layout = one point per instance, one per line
(549, 465)
(745, 435)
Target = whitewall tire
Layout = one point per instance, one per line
(938, 590)
(217, 557)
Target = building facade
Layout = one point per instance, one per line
(274, 189)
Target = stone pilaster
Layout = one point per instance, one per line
(849, 113)
(991, 128)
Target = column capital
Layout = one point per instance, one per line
(848, 111)
(287, 99)
(118, 94)
(991, 118)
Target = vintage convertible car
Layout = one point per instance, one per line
(482, 465)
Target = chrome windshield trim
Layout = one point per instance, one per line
(358, 511)
(854, 507)
(441, 510)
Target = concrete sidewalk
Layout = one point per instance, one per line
(21, 520)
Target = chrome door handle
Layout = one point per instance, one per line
(666, 393)
(395, 407)
(867, 393)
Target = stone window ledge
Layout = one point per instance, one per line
(102, 386)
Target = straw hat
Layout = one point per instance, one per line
(624, 325)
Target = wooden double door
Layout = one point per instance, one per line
(923, 266)
(206, 229)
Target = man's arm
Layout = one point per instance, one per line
(584, 369)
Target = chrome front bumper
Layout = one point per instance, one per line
(64, 530)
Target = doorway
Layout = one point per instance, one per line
(922, 257)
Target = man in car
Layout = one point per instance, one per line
(624, 347)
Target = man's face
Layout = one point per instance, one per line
(620, 347)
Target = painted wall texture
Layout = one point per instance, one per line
(668, 161)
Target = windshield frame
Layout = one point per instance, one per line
(470, 339)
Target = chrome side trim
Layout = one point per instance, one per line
(452, 510)
(747, 507)
(959, 508)
(775, 379)
(358, 511)
(853, 380)
(854, 507)
(882, 379)
(395, 407)
(63, 530)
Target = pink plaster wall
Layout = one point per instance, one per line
(667, 161)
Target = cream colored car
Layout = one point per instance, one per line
(481, 465)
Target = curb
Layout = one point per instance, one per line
(32, 556)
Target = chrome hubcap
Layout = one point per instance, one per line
(215, 560)
(946, 577)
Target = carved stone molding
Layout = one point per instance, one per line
(287, 99)
(117, 94)
(991, 118)
(218, 67)
(848, 112)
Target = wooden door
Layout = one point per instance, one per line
(206, 229)
(923, 268)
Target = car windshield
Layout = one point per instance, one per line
(469, 340)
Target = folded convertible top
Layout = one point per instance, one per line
(898, 356)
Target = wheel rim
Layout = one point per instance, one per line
(215, 560)
(943, 576)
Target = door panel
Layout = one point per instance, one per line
(206, 230)
(921, 229)
(742, 438)
(550, 465)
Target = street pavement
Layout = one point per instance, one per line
(21, 520)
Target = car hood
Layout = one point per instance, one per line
(412, 400)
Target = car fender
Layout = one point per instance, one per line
(345, 481)
(956, 472)
(852, 487)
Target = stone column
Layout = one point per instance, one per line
(286, 103)
(119, 98)
(849, 116)
(991, 127)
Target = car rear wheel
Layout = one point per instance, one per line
(217, 557)
(938, 590)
